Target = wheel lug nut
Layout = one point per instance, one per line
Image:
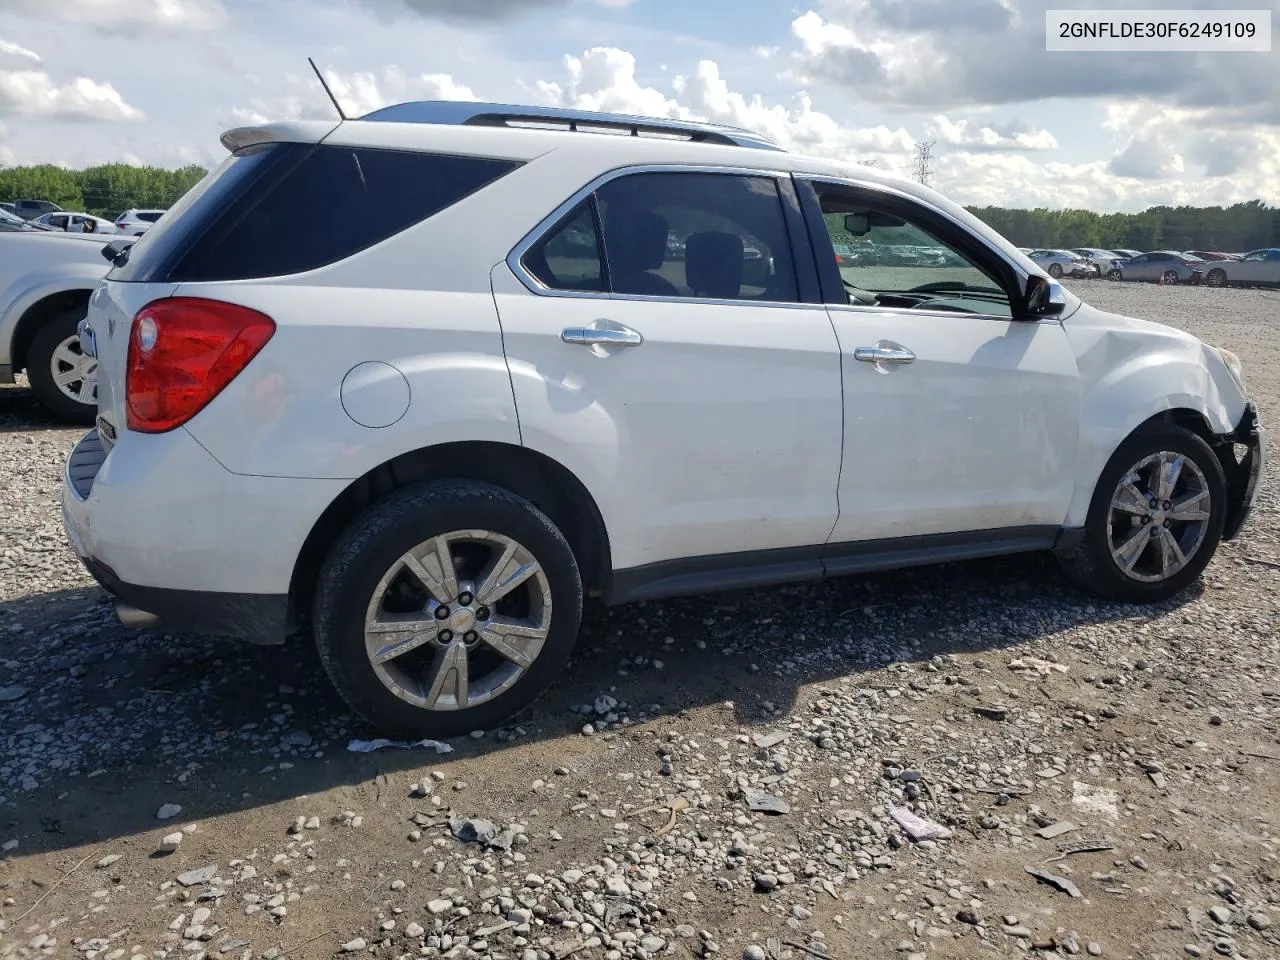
(442, 613)
(1168, 524)
(446, 636)
(1166, 505)
(482, 613)
(464, 599)
(471, 636)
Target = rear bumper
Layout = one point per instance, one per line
(1244, 473)
(166, 529)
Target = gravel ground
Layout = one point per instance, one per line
(710, 779)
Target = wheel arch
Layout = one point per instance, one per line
(1187, 417)
(40, 312)
(532, 475)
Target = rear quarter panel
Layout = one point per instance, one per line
(35, 266)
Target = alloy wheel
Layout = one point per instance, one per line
(458, 620)
(1171, 276)
(1159, 516)
(74, 372)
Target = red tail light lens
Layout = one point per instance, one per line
(182, 352)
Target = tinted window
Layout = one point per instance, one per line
(569, 257)
(288, 208)
(710, 235)
(149, 217)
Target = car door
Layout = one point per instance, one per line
(1140, 268)
(668, 344)
(961, 417)
(1252, 269)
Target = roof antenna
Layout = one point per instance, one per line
(320, 76)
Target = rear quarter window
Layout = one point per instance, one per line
(289, 208)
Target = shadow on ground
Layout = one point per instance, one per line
(116, 723)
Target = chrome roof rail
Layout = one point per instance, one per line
(464, 113)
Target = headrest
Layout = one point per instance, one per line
(713, 265)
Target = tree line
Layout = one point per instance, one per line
(104, 191)
(108, 189)
(1235, 229)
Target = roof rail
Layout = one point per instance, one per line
(464, 113)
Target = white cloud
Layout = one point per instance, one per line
(966, 135)
(127, 16)
(604, 78)
(13, 52)
(358, 92)
(33, 93)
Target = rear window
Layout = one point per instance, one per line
(287, 208)
(149, 217)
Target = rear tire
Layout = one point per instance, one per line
(1055, 271)
(385, 627)
(1217, 278)
(1120, 504)
(53, 357)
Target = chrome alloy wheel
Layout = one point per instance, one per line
(1159, 516)
(458, 620)
(74, 372)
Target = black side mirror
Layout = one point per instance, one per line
(1043, 297)
(116, 252)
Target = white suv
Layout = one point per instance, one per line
(513, 362)
(137, 222)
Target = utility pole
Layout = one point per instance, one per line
(924, 161)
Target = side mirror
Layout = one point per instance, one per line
(117, 251)
(1044, 297)
(857, 224)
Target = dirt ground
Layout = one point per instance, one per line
(1129, 754)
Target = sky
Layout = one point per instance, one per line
(157, 81)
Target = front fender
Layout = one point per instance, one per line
(1122, 395)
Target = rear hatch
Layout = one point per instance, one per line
(142, 272)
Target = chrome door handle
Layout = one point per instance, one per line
(883, 354)
(613, 336)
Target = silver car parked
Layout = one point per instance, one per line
(1163, 266)
(1103, 260)
(1260, 268)
(1060, 263)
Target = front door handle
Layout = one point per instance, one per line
(883, 353)
(615, 335)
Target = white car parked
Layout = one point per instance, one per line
(75, 223)
(46, 278)
(137, 222)
(480, 389)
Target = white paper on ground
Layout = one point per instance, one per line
(368, 746)
(918, 828)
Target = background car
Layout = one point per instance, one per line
(30, 209)
(1103, 260)
(75, 222)
(137, 222)
(12, 223)
(1128, 254)
(1259, 268)
(1060, 263)
(1163, 266)
(1212, 255)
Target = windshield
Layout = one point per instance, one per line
(12, 223)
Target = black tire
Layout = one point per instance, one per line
(1217, 278)
(1055, 271)
(1171, 277)
(39, 368)
(1115, 274)
(384, 533)
(1090, 563)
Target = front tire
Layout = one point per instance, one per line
(448, 607)
(1055, 271)
(63, 379)
(1155, 520)
(1217, 278)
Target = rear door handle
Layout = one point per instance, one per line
(884, 353)
(614, 335)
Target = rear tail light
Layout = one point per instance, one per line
(182, 352)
